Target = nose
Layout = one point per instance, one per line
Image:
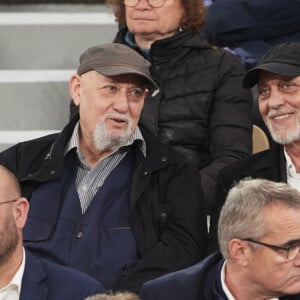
(120, 104)
(276, 99)
(297, 260)
(143, 4)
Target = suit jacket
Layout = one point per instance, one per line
(198, 282)
(43, 280)
(269, 164)
(185, 284)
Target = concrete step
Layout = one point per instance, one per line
(12, 137)
(34, 103)
(41, 47)
(34, 100)
(49, 39)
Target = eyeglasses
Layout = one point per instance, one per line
(291, 250)
(152, 3)
(8, 201)
(134, 94)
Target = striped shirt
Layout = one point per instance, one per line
(89, 180)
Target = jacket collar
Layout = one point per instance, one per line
(52, 164)
(158, 155)
(269, 164)
(185, 38)
(33, 283)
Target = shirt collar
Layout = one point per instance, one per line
(17, 279)
(224, 286)
(136, 137)
(129, 40)
(290, 168)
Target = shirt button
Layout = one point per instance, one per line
(79, 234)
(52, 172)
(163, 215)
(163, 159)
(146, 173)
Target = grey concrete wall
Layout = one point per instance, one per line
(47, 38)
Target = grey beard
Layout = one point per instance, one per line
(105, 141)
(9, 239)
(284, 138)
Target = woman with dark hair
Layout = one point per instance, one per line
(201, 109)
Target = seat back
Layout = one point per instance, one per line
(260, 140)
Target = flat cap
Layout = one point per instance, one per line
(116, 59)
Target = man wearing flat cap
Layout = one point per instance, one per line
(277, 79)
(105, 196)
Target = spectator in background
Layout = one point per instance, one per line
(259, 234)
(105, 196)
(22, 276)
(201, 109)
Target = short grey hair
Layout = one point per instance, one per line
(116, 296)
(242, 213)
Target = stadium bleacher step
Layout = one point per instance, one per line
(41, 45)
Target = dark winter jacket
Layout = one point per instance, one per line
(202, 110)
(269, 164)
(167, 213)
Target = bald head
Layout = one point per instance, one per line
(9, 185)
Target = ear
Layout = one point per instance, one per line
(239, 251)
(20, 211)
(74, 86)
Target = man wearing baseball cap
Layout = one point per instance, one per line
(105, 196)
(277, 79)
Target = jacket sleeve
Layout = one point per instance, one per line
(230, 124)
(179, 235)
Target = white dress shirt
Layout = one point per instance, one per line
(293, 178)
(13, 289)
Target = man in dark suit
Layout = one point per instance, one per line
(259, 236)
(278, 83)
(22, 276)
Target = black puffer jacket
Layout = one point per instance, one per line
(201, 110)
